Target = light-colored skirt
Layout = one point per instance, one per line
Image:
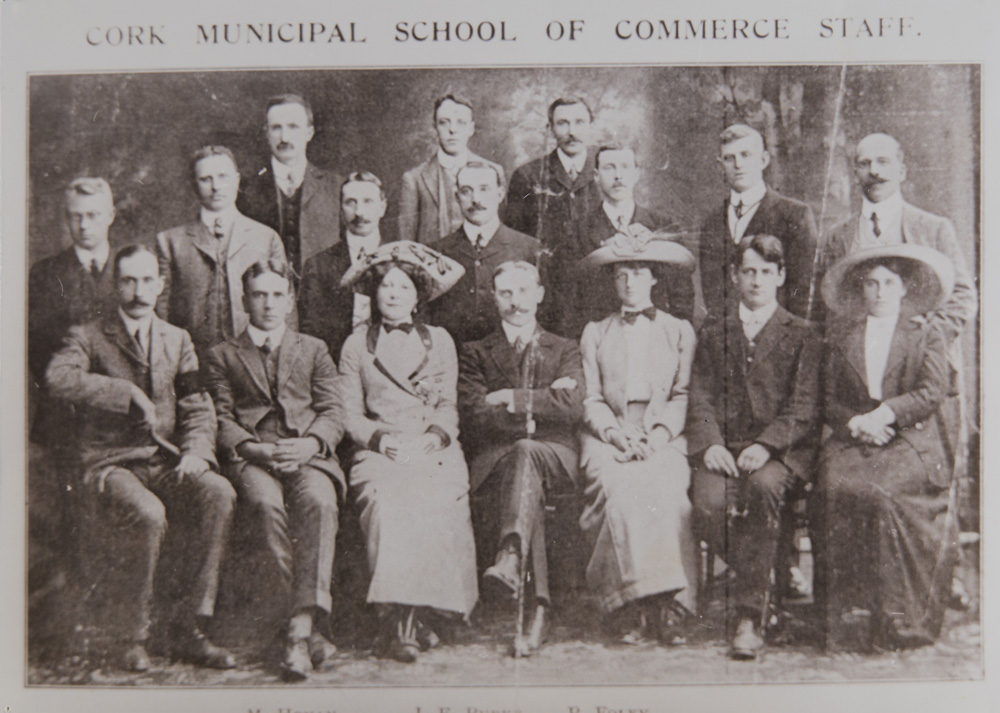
(418, 530)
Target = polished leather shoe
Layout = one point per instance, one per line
(297, 663)
(135, 658)
(501, 580)
(899, 636)
(640, 632)
(747, 642)
(427, 638)
(533, 639)
(320, 649)
(404, 650)
(194, 647)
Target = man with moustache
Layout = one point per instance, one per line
(428, 208)
(618, 213)
(291, 195)
(754, 208)
(520, 397)
(147, 446)
(202, 262)
(279, 423)
(753, 428)
(467, 311)
(885, 218)
(329, 311)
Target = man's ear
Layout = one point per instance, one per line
(765, 159)
(311, 133)
(732, 274)
(782, 274)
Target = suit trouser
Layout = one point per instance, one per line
(136, 504)
(525, 472)
(296, 516)
(741, 518)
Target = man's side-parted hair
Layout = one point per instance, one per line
(280, 99)
(88, 186)
(481, 164)
(131, 251)
(206, 152)
(735, 132)
(365, 176)
(612, 147)
(569, 101)
(767, 246)
(278, 267)
(451, 98)
(512, 265)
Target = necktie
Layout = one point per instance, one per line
(405, 327)
(519, 345)
(573, 173)
(267, 347)
(738, 210)
(622, 225)
(218, 230)
(95, 271)
(480, 241)
(875, 229)
(631, 316)
(138, 340)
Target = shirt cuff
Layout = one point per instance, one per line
(441, 433)
(376, 440)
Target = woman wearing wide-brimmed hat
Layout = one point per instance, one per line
(409, 478)
(637, 363)
(882, 519)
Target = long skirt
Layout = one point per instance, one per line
(418, 531)
(638, 523)
(886, 539)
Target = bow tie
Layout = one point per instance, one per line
(406, 327)
(630, 316)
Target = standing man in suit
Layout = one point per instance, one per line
(428, 208)
(279, 423)
(480, 245)
(134, 381)
(886, 218)
(202, 262)
(754, 208)
(291, 195)
(329, 311)
(594, 297)
(520, 397)
(752, 427)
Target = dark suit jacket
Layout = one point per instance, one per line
(934, 231)
(914, 385)
(590, 295)
(187, 262)
(428, 206)
(544, 202)
(771, 398)
(95, 372)
(306, 396)
(790, 221)
(467, 310)
(488, 432)
(319, 217)
(326, 308)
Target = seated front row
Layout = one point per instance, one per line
(752, 431)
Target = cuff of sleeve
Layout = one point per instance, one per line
(664, 427)
(441, 433)
(376, 440)
(324, 449)
(886, 413)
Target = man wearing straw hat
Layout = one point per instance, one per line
(520, 396)
(133, 379)
(752, 428)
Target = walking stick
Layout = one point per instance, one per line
(528, 382)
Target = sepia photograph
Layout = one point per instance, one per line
(434, 361)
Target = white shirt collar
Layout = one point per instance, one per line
(292, 174)
(259, 336)
(487, 231)
(752, 195)
(226, 215)
(625, 208)
(568, 162)
(452, 163)
(757, 316)
(525, 333)
(131, 324)
(886, 209)
(99, 254)
(355, 243)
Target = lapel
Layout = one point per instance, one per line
(900, 347)
(114, 328)
(158, 361)
(733, 339)
(249, 354)
(202, 239)
(614, 357)
(403, 381)
(559, 174)
(505, 358)
(910, 224)
(429, 175)
(310, 184)
(758, 223)
(853, 347)
(499, 241)
(242, 229)
(288, 357)
(769, 336)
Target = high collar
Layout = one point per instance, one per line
(487, 231)
(569, 163)
(757, 316)
(452, 163)
(131, 324)
(891, 206)
(513, 333)
(99, 255)
(259, 336)
(752, 195)
(355, 243)
(625, 209)
(227, 216)
(294, 173)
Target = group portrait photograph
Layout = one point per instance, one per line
(507, 376)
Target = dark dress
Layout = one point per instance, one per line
(883, 517)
